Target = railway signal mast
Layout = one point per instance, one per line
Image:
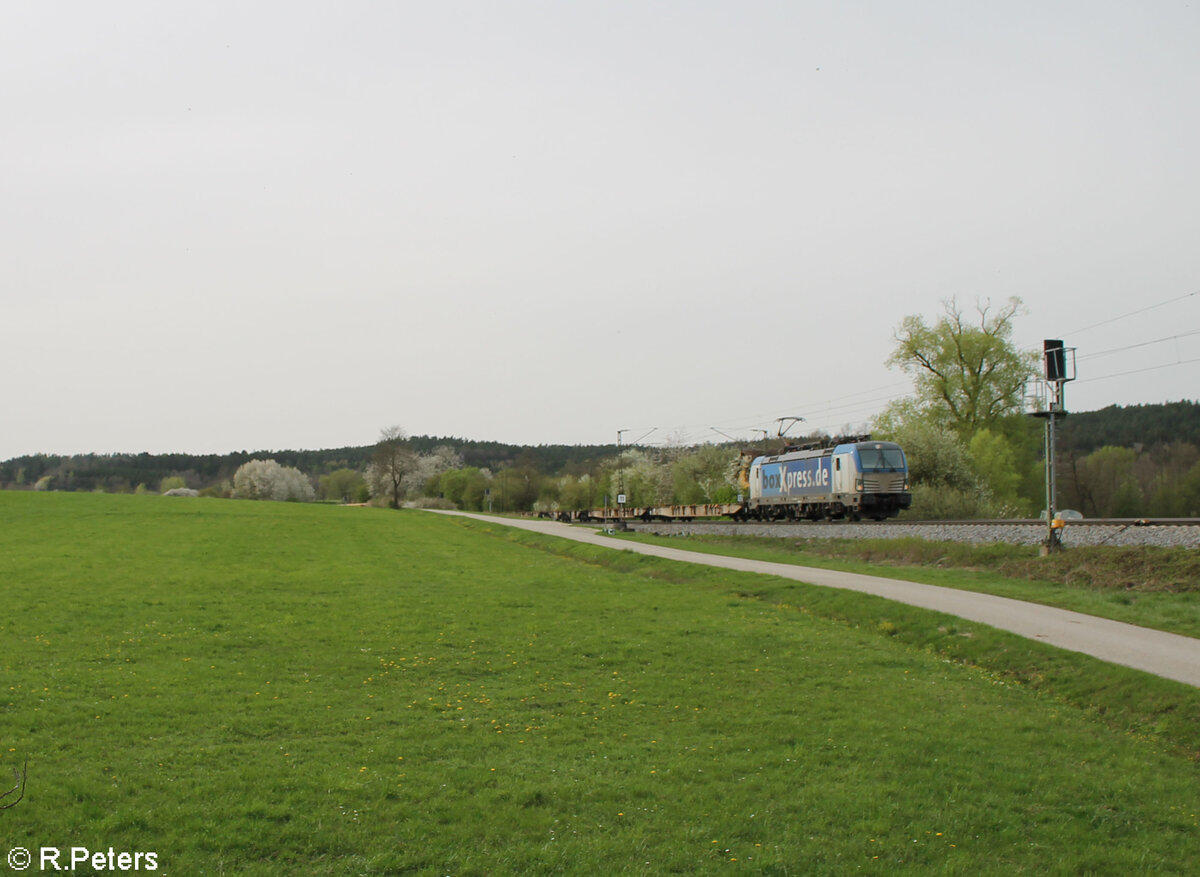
(1049, 404)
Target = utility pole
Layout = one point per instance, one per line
(621, 468)
(620, 474)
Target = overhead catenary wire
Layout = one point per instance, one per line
(814, 409)
(1137, 371)
(1134, 313)
(1137, 345)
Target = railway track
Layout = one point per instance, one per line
(1166, 532)
(1038, 522)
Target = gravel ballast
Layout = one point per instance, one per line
(1019, 533)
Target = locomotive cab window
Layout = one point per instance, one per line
(881, 459)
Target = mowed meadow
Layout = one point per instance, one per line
(269, 688)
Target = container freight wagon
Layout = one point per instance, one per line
(655, 513)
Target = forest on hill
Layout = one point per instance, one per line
(1132, 426)
(1141, 460)
(123, 473)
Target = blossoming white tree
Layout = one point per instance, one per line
(266, 479)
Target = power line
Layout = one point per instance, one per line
(1134, 313)
(1139, 344)
(758, 420)
(1138, 371)
(829, 419)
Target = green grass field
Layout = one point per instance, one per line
(265, 689)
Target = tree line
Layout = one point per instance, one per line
(213, 473)
(972, 450)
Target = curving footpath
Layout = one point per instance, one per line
(1169, 655)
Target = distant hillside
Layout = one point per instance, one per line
(1083, 432)
(1131, 426)
(124, 472)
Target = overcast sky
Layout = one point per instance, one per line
(269, 225)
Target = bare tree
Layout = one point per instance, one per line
(391, 463)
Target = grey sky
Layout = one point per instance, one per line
(235, 226)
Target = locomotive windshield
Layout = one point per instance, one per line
(881, 459)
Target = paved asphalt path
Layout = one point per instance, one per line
(1163, 654)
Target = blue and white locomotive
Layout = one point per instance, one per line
(854, 479)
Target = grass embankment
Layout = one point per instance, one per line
(1148, 586)
(258, 689)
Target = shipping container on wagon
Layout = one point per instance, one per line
(791, 477)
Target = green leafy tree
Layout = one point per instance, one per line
(1127, 501)
(1176, 466)
(425, 475)
(967, 374)
(1103, 484)
(968, 379)
(343, 485)
(1185, 496)
(995, 463)
(515, 489)
(477, 491)
(452, 484)
(705, 474)
(549, 495)
(944, 482)
(582, 492)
